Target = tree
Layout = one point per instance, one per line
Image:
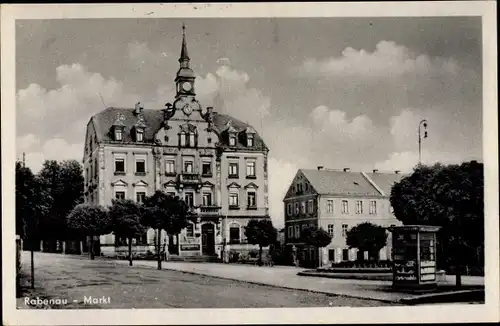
(450, 197)
(32, 202)
(367, 237)
(64, 182)
(89, 221)
(316, 237)
(260, 232)
(165, 212)
(125, 217)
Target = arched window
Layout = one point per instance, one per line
(234, 233)
(182, 136)
(192, 142)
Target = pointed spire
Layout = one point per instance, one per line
(184, 51)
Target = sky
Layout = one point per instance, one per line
(336, 92)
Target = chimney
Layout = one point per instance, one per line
(138, 108)
(375, 171)
(397, 171)
(320, 167)
(347, 169)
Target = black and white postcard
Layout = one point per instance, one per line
(209, 163)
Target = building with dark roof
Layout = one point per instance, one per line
(215, 162)
(336, 200)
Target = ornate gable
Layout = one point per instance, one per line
(119, 183)
(251, 185)
(141, 183)
(234, 185)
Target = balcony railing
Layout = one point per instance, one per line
(190, 178)
(209, 210)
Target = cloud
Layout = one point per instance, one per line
(53, 149)
(281, 174)
(406, 161)
(388, 60)
(334, 122)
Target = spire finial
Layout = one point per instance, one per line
(184, 52)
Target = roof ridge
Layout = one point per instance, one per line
(373, 183)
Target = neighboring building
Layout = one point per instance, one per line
(337, 200)
(217, 163)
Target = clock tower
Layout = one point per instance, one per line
(185, 76)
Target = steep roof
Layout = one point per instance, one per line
(335, 182)
(330, 182)
(153, 119)
(385, 181)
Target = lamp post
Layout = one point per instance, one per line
(423, 123)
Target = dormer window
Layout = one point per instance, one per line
(250, 140)
(118, 134)
(232, 140)
(139, 134)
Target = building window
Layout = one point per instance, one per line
(250, 140)
(331, 229)
(206, 168)
(234, 233)
(345, 254)
(345, 207)
(297, 231)
(310, 208)
(120, 195)
(289, 209)
(95, 168)
(140, 196)
(233, 199)
(251, 199)
(119, 165)
(140, 165)
(207, 199)
(303, 207)
(188, 167)
(331, 255)
(139, 135)
(87, 174)
(290, 232)
(373, 207)
(344, 230)
(192, 142)
(359, 207)
(190, 230)
(329, 206)
(233, 170)
(189, 198)
(251, 169)
(170, 167)
(118, 134)
(297, 208)
(232, 140)
(307, 186)
(182, 139)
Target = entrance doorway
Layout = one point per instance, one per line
(208, 239)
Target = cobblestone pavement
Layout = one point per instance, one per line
(108, 284)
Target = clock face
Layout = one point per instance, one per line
(187, 86)
(188, 109)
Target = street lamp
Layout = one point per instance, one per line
(423, 124)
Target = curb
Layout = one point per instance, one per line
(431, 297)
(344, 276)
(276, 286)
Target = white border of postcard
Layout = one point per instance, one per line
(424, 314)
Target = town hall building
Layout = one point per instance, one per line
(213, 161)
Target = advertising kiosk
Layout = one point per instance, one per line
(414, 256)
